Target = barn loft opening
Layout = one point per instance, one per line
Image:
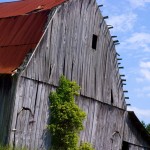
(94, 41)
(112, 98)
(125, 145)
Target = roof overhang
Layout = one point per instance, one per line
(22, 24)
(138, 125)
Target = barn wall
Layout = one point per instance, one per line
(66, 49)
(103, 126)
(133, 135)
(31, 124)
(31, 115)
(7, 90)
(136, 147)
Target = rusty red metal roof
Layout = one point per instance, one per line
(26, 6)
(21, 27)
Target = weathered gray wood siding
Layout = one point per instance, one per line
(103, 125)
(66, 48)
(135, 147)
(134, 135)
(31, 115)
(7, 90)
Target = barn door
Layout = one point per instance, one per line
(116, 140)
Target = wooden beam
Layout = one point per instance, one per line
(113, 36)
(125, 91)
(123, 80)
(106, 17)
(100, 5)
(119, 58)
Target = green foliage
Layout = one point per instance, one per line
(86, 146)
(10, 148)
(5, 148)
(147, 126)
(66, 116)
(143, 123)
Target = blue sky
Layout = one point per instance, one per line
(131, 21)
(1, 1)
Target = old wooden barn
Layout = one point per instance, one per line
(40, 40)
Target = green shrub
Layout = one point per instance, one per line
(11, 148)
(86, 146)
(66, 116)
(66, 120)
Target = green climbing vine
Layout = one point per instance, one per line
(66, 117)
(86, 146)
(7, 147)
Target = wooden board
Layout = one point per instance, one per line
(7, 92)
(66, 49)
(101, 122)
(132, 134)
(32, 115)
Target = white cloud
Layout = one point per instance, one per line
(146, 88)
(139, 79)
(145, 65)
(146, 73)
(123, 22)
(142, 113)
(143, 91)
(145, 70)
(138, 3)
(139, 37)
(101, 1)
(138, 41)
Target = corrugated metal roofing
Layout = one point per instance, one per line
(20, 33)
(25, 6)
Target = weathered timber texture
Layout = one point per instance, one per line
(31, 115)
(7, 91)
(31, 125)
(134, 134)
(66, 48)
(136, 147)
(98, 130)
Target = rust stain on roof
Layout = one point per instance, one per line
(21, 27)
(25, 6)
(19, 35)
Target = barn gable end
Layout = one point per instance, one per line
(67, 49)
(73, 40)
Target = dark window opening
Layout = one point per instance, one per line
(94, 41)
(112, 98)
(125, 146)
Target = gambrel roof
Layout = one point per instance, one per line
(22, 24)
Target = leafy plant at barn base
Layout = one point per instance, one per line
(66, 117)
